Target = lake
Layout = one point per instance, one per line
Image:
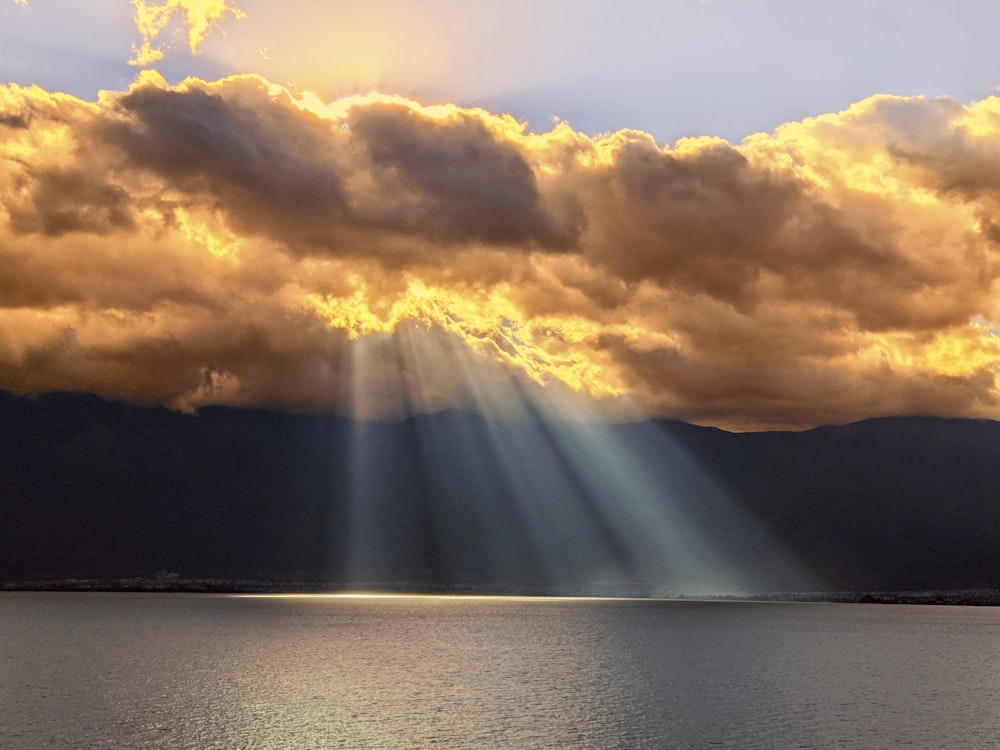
(218, 671)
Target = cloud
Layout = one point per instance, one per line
(267, 167)
(452, 180)
(234, 242)
(63, 201)
(199, 16)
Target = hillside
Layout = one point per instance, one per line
(104, 490)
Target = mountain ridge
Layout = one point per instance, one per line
(97, 489)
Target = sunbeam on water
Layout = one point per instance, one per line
(529, 487)
(165, 671)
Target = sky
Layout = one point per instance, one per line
(746, 214)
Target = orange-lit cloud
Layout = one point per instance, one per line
(233, 242)
(199, 16)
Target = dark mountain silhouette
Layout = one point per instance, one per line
(104, 490)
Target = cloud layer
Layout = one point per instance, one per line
(234, 242)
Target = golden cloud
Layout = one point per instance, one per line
(234, 242)
(199, 16)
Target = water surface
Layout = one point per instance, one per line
(215, 671)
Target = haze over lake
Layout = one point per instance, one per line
(216, 671)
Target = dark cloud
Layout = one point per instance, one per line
(55, 202)
(960, 171)
(234, 362)
(694, 387)
(15, 120)
(702, 223)
(232, 242)
(453, 181)
(263, 162)
(712, 223)
(317, 187)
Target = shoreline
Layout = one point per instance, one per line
(961, 597)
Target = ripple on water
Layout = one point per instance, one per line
(181, 671)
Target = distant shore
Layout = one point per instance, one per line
(171, 584)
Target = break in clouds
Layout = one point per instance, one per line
(234, 242)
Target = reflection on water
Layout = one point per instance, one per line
(193, 671)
